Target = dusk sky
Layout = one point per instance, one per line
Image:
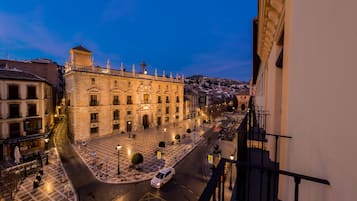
(207, 37)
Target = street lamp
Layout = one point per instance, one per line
(118, 149)
(46, 148)
(165, 135)
(129, 128)
(46, 143)
(230, 179)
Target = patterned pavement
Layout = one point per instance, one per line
(101, 155)
(54, 185)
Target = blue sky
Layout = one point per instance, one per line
(189, 37)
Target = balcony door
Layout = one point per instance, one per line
(146, 121)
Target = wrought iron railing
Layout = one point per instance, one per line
(254, 168)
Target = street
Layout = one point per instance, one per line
(192, 173)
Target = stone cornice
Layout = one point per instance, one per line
(270, 25)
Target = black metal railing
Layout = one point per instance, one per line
(257, 176)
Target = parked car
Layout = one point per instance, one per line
(162, 177)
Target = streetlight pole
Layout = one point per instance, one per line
(230, 179)
(46, 148)
(118, 149)
(165, 135)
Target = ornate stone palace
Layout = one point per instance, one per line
(102, 101)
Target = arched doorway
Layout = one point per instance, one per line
(146, 121)
(242, 107)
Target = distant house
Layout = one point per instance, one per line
(243, 100)
(26, 112)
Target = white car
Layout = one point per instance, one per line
(162, 177)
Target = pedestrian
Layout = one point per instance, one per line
(67, 190)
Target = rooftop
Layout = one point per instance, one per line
(15, 74)
(81, 48)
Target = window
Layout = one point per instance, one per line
(115, 83)
(93, 81)
(94, 130)
(177, 117)
(93, 100)
(32, 126)
(167, 119)
(115, 100)
(93, 117)
(31, 110)
(159, 99)
(116, 115)
(31, 92)
(129, 101)
(177, 99)
(14, 130)
(13, 91)
(128, 112)
(167, 99)
(146, 98)
(14, 110)
(167, 110)
(177, 109)
(116, 126)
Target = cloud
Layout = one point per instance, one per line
(26, 32)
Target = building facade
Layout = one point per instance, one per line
(243, 101)
(25, 112)
(102, 101)
(303, 73)
(46, 69)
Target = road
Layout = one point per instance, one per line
(187, 184)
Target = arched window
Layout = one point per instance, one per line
(116, 115)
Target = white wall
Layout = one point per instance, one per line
(322, 99)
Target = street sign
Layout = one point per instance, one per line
(210, 159)
(158, 154)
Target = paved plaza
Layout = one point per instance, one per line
(101, 155)
(54, 184)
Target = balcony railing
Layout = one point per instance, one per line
(257, 176)
(12, 116)
(93, 103)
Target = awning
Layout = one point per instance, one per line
(25, 138)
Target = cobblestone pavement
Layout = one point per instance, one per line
(54, 184)
(101, 155)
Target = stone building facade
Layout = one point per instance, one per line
(102, 101)
(25, 112)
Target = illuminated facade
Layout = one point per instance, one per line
(25, 112)
(102, 101)
(304, 74)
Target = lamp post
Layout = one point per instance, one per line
(165, 135)
(46, 148)
(230, 179)
(118, 149)
(129, 128)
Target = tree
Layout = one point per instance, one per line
(137, 159)
(162, 144)
(178, 137)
